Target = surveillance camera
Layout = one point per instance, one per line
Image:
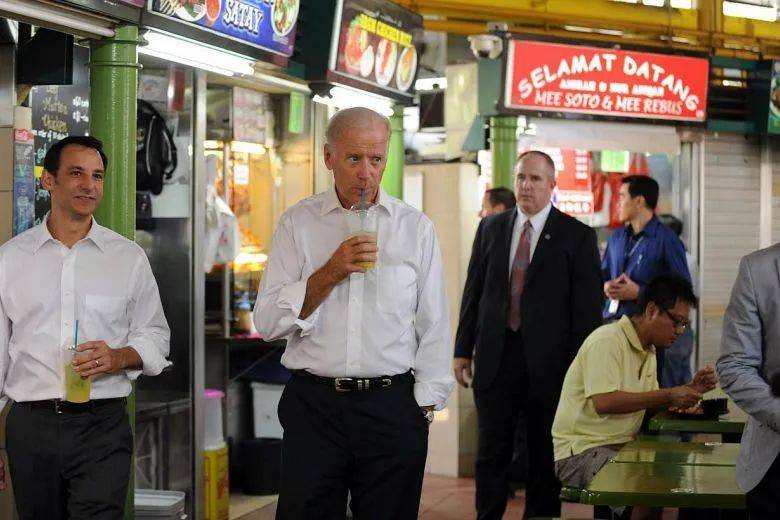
(487, 46)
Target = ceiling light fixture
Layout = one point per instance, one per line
(767, 13)
(430, 84)
(345, 97)
(194, 54)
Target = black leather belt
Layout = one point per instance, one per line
(359, 384)
(60, 406)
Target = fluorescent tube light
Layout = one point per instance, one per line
(246, 147)
(430, 84)
(766, 13)
(344, 97)
(194, 54)
(58, 17)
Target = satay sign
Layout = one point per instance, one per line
(591, 80)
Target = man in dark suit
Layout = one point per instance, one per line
(532, 296)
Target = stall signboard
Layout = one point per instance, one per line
(555, 77)
(374, 42)
(250, 115)
(573, 182)
(267, 24)
(774, 100)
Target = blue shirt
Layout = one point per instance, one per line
(653, 251)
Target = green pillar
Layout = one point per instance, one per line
(393, 178)
(113, 84)
(503, 143)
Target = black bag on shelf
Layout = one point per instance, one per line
(155, 151)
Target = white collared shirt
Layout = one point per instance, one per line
(384, 322)
(104, 281)
(537, 224)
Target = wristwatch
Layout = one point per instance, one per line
(428, 414)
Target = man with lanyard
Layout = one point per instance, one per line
(367, 329)
(641, 250)
(64, 279)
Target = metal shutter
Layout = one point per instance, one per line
(729, 227)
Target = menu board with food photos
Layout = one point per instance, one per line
(774, 99)
(57, 112)
(375, 43)
(267, 24)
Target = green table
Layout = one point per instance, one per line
(731, 423)
(685, 453)
(664, 485)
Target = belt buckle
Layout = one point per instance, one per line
(337, 384)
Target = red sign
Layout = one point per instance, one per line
(23, 136)
(592, 80)
(573, 193)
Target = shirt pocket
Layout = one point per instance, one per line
(397, 288)
(105, 311)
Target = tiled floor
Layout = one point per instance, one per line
(447, 498)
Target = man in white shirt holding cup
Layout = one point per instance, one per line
(74, 296)
(368, 345)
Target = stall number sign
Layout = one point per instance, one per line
(590, 80)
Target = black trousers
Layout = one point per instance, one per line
(762, 501)
(371, 443)
(498, 409)
(73, 465)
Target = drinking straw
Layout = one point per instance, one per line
(362, 211)
(76, 336)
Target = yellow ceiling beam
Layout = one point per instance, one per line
(703, 29)
(605, 11)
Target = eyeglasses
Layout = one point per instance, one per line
(679, 323)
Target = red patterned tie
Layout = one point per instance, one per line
(517, 280)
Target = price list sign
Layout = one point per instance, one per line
(57, 112)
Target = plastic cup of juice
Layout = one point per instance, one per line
(363, 222)
(77, 389)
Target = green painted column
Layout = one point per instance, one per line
(503, 144)
(113, 81)
(393, 178)
(113, 85)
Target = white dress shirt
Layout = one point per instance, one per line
(384, 322)
(104, 281)
(537, 225)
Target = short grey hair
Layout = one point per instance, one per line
(545, 157)
(357, 117)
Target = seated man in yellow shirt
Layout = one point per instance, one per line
(612, 381)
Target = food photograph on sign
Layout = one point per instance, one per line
(376, 44)
(774, 99)
(590, 80)
(270, 26)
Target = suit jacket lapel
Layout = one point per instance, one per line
(506, 237)
(548, 232)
